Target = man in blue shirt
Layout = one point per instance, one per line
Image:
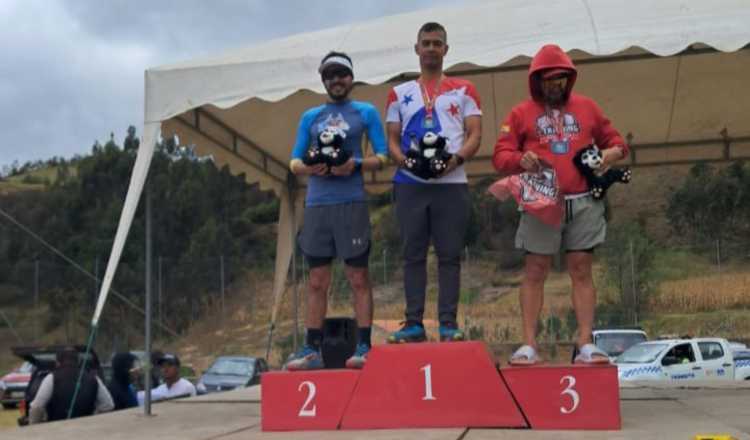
(337, 221)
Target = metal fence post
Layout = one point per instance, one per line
(223, 317)
(37, 323)
(632, 279)
(385, 266)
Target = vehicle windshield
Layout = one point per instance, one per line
(616, 343)
(231, 367)
(641, 354)
(25, 368)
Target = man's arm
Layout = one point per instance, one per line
(394, 142)
(377, 140)
(472, 137)
(374, 128)
(104, 402)
(608, 139)
(508, 157)
(38, 407)
(393, 128)
(301, 145)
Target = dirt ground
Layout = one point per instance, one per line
(8, 418)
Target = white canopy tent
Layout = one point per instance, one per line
(670, 72)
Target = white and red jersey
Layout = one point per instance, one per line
(455, 100)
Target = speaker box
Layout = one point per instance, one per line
(339, 341)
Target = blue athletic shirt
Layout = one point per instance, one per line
(351, 119)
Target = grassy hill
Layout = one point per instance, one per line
(693, 294)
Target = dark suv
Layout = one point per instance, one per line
(230, 372)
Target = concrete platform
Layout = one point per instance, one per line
(649, 411)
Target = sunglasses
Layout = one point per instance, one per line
(560, 77)
(340, 72)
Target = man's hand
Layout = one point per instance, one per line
(319, 169)
(609, 157)
(451, 165)
(344, 170)
(530, 162)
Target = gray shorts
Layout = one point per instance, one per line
(583, 228)
(341, 230)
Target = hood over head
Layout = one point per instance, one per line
(550, 59)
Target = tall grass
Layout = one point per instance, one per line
(703, 293)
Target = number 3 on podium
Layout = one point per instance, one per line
(570, 392)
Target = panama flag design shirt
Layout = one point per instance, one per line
(452, 100)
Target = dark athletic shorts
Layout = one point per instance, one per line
(336, 231)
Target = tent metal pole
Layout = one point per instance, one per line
(292, 200)
(149, 248)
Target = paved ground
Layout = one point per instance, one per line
(665, 411)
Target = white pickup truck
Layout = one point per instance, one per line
(683, 359)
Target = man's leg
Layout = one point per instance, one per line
(317, 296)
(449, 217)
(359, 279)
(412, 214)
(585, 231)
(584, 294)
(309, 356)
(536, 268)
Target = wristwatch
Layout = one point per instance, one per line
(357, 164)
(460, 159)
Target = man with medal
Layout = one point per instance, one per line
(432, 210)
(550, 128)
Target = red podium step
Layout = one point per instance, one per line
(566, 397)
(307, 400)
(431, 385)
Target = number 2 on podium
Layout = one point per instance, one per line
(307, 412)
(427, 382)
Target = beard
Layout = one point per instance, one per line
(555, 96)
(338, 91)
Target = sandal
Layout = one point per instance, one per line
(591, 354)
(525, 355)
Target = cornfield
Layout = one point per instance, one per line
(706, 293)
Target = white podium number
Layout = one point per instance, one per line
(570, 392)
(304, 411)
(427, 382)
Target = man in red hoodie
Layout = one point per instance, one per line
(547, 130)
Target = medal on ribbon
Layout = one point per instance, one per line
(428, 122)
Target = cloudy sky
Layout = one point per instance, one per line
(72, 70)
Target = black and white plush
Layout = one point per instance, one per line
(428, 159)
(588, 161)
(328, 150)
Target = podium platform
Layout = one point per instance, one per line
(441, 385)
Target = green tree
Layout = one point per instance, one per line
(629, 262)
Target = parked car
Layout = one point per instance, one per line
(43, 360)
(230, 372)
(13, 385)
(683, 359)
(614, 341)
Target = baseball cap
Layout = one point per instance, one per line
(336, 59)
(555, 71)
(169, 358)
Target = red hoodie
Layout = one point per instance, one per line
(554, 135)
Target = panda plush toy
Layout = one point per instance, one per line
(329, 150)
(588, 161)
(429, 158)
